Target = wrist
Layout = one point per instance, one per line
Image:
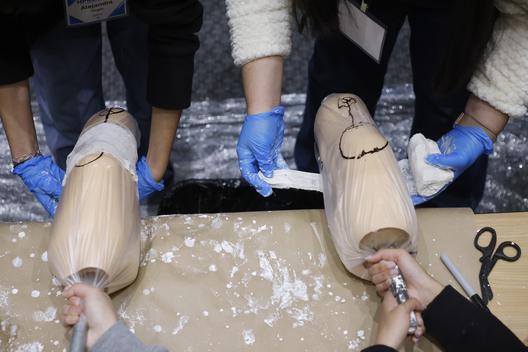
(103, 327)
(468, 120)
(157, 167)
(485, 115)
(430, 291)
(20, 159)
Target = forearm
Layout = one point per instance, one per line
(119, 338)
(162, 132)
(481, 114)
(262, 81)
(17, 119)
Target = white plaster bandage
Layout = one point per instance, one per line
(108, 138)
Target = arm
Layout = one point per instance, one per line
(17, 119)
(262, 81)
(119, 338)
(105, 332)
(260, 38)
(450, 318)
(173, 43)
(501, 77)
(479, 113)
(460, 325)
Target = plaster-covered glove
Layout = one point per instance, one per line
(259, 147)
(43, 178)
(146, 183)
(459, 148)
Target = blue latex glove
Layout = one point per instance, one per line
(459, 148)
(43, 178)
(146, 183)
(259, 147)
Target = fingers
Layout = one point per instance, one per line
(266, 166)
(392, 255)
(70, 315)
(79, 290)
(280, 162)
(250, 174)
(417, 200)
(412, 304)
(49, 203)
(446, 161)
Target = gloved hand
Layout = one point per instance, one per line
(43, 178)
(259, 147)
(459, 148)
(146, 183)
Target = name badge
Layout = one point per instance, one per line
(79, 12)
(363, 29)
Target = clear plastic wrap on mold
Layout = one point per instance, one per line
(367, 203)
(95, 237)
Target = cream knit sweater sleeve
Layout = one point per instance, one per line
(259, 28)
(502, 77)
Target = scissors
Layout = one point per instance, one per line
(489, 259)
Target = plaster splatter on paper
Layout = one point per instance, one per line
(17, 262)
(132, 318)
(249, 337)
(361, 334)
(364, 296)
(30, 347)
(184, 319)
(35, 293)
(167, 257)
(216, 223)
(4, 297)
(213, 268)
(21, 234)
(44, 256)
(189, 242)
(45, 316)
(157, 328)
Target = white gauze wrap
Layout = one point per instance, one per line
(428, 179)
(287, 178)
(108, 138)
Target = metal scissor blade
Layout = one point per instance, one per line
(485, 287)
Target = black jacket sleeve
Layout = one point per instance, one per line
(15, 60)
(459, 325)
(173, 41)
(379, 348)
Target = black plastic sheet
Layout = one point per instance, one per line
(233, 195)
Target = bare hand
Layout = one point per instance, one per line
(394, 321)
(382, 266)
(96, 307)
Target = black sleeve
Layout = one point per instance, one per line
(379, 348)
(459, 325)
(173, 41)
(15, 59)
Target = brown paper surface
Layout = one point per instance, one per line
(268, 281)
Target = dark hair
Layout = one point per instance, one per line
(318, 16)
(467, 38)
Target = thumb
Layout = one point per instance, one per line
(78, 290)
(446, 161)
(383, 254)
(412, 304)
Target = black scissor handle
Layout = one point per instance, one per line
(486, 250)
(500, 254)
